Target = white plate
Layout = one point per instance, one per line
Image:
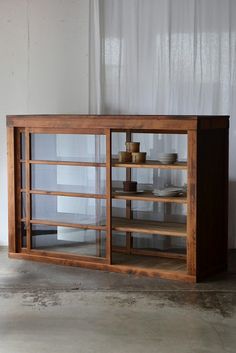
(129, 192)
(169, 189)
(166, 163)
(168, 192)
(167, 195)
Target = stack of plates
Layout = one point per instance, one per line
(168, 192)
(167, 158)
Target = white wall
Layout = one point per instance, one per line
(43, 66)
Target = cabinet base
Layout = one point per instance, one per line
(163, 274)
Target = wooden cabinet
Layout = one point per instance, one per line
(67, 206)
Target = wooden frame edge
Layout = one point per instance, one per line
(12, 245)
(162, 274)
(192, 204)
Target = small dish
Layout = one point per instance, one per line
(168, 192)
(167, 158)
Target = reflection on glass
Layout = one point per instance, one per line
(118, 208)
(23, 180)
(118, 239)
(89, 180)
(160, 211)
(159, 243)
(118, 176)
(68, 147)
(23, 235)
(23, 205)
(69, 240)
(153, 211)
(158, 178)
(118, 143)
(150, 179)
(155, 143)
(22, 146)
(69, 209)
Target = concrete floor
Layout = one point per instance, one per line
(48, 308)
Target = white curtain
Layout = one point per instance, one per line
(166, 57)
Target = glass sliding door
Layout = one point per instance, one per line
(64, 193)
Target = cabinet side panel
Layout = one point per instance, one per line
(17, 164)
(11, 190)
(192, 195)
(212, 201)
(108, 197)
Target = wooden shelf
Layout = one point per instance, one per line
(150, 164)
(149, 227)
(70, 163)
(149, 262)
(64, 193)
(148, 196)
(149, 252)
(65, 224)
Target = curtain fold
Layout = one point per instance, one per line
(95, 58)
(166, 57)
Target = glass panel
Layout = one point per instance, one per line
(159, 211)
(69, 240)
(23, 180)
(118, 143)
(22, 146)
(159, 243)
(153, 211)
(118, 176)
(23, 235)
(156, 143)
(118, 208)
(68, 178)
(118, 239)
(153, 144)
(23, 205)
(69, 209)
(68, 147)
(150, 179)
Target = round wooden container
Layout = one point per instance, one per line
(125, 156)
(132, 146)
(130, 185)
(139, 157)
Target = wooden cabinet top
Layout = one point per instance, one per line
(120, 122)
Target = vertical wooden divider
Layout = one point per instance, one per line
(28, 187)
(98, 191)
(11, 191)
(18, 194)
(108, 196)
(192, 203)
(128, 202)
